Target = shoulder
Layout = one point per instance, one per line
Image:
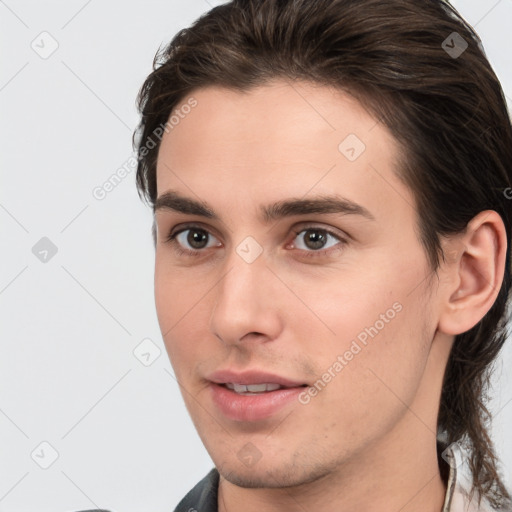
(203, 496)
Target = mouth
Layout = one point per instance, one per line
(256, 389)
(254, 380)
(252, 395)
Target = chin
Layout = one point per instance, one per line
(274, 477)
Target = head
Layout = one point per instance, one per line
(258, 103)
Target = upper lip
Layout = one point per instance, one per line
(251, 377)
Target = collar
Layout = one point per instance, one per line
(457, 497)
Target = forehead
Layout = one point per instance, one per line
(280, 138)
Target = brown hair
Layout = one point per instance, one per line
(447, 112)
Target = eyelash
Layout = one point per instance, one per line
(171, 239)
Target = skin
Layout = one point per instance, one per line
(366, 441)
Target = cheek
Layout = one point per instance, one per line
(177, 290)
(378, 338)
(367, 379)
(174, 302)
(376, 293)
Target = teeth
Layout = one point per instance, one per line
(272, 387)
(252, 388)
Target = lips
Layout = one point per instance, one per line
(252, 395)
(252, 377)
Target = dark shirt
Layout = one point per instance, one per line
(202, 497)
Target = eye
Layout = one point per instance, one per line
(194, 237)
(314, 239)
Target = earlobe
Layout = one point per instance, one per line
(475, 269)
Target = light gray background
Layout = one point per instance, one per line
(69, 327)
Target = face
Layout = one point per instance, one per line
(324, 298)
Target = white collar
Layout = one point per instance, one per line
(458, 487)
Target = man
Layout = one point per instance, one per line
(329, 181)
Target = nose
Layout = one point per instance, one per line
(246, 304)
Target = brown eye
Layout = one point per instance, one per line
(315, 239)
(197, 238)
(192, 240)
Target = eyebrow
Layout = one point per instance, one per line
(174, 201)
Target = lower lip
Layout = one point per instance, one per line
(252, 407)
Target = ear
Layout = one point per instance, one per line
(474, 272)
